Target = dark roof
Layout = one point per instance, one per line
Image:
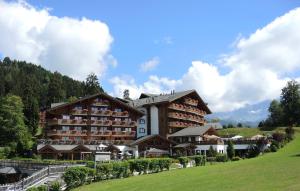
(191, 131)
(148, 99)
(94, 96)
(147, 137)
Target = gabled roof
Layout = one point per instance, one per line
(147, 137)
(95, 96)
(191, 131)
(148, 99)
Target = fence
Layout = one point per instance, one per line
(34, 178)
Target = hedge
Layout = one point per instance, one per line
(77, 176)
(221, 158)
(183, 161)
(199, 160)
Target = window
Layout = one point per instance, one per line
(103, 118)
(77, 138)
(78, 107)
(118, 119)
(94, 108)
(65, 128)
(76, 128)
(78, 118)
(142, 130)
(103, 129)
(128, 129)
(103, 108)
(65, 138)
(118, 110)
(118, 129)
(66, 116)
(93, 128)
(94, 118)
(142, 121)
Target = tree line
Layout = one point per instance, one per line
(26, 89)
(286, 111)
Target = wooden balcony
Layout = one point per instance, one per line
(124, 123)
(101, 103)
(190, 101)
(100, 133)
(123, 133)
(176, 106)
(79, 112)
(105, 113)
(67, 122)
(186, 117)
(120, 114)
(179, 124)
(100, 122)
(67, 133)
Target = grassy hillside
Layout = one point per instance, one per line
(246, 132)
(273, 171)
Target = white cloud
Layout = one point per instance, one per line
(154, 85)
(149, 65)
(71, 46)
(258, 68)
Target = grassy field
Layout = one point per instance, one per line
(273, 171)
(246, 132)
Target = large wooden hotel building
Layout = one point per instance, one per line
(74, 129)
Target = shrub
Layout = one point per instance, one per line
(221, 158)
(76, 176)
(279, 137)
(139, 165)
(199, 160)
(211, 152)
(230, 150)
(236, 158)
(55, 186)
(104, 171)
(120, 169)
(210, 159)
(183, 161)
(164, 163)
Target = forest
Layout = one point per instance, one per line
(25, 90)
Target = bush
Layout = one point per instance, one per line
(236, 158)
(139, 165)
(199, 160)
(211, 152)
(230, 150)
(221, 158)
(104, 171)
(55, 186)
(120, 169)
(210, 159)
(77, 176)
(183, 161)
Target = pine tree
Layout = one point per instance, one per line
(92, 85)
(56, 93)
(290, 102)
(230, 150)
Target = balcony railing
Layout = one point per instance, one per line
(101, 103)
(190, 101)
(100, 122)
(187, 117)
(189, 109)
(181, 124)
(100, 133)
(76, 133)
(102, 113)
(120, 114)
(79, 112)
(124, 133)
(124, 123)
(67, 122)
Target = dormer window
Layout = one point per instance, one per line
(118, 110)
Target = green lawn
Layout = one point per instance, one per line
(273, 171)
(246, 132)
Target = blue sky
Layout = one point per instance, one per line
(187, 40)
(198, 29)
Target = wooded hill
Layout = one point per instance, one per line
(38, 87)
